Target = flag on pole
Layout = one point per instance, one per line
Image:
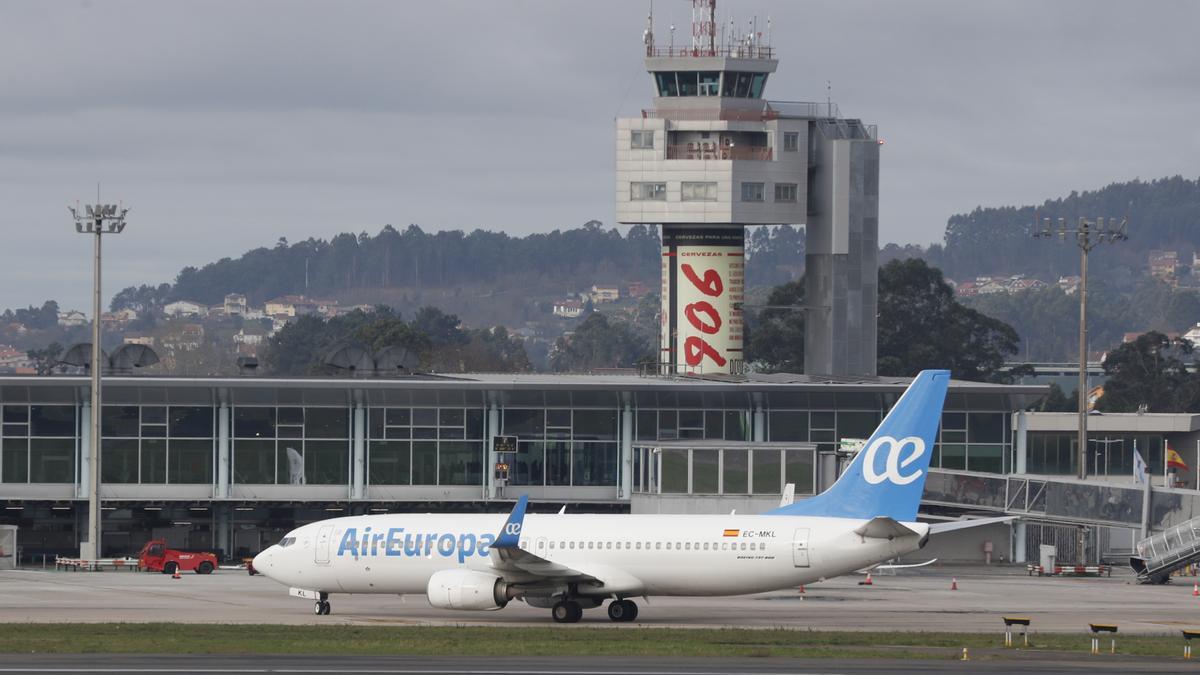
(1139, 467)
(1174, 460)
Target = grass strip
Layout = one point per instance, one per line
(158, 638)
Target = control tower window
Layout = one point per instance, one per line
(743, 85)
(757, 82)
(648, 192)
(666, 84)
(689, 83)
(710, 82)
(752, 192)
(641, 139)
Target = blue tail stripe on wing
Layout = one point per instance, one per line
(887, 476)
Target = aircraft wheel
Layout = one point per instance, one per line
(631, 610)
(622, 611)
(321, 608)
(327, 608)
(567, 611)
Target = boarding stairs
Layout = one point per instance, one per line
(1158, 556)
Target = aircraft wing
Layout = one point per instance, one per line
(508, 556)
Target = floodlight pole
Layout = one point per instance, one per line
(1088, 234)
(97, 220)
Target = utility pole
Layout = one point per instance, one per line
(98, 220)
(1088, 235)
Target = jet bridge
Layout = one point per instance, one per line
(1174, 513)
(1157, 556)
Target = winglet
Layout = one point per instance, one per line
(510, 534)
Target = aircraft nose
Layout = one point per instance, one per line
(262, 562)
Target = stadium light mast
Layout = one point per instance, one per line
(1088, 235)
(98, 220)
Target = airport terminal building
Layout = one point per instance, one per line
(234, 463)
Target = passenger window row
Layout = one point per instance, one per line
(658, 546)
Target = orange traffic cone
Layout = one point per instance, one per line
(176, 574)
(868, 582)
(1196, 590)
(953, 584)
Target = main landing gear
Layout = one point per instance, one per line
(566, 611)
(570, 611)
(622, 611)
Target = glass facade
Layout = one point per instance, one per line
(37, 444)
(563, 446)
(425, 446)
(157, 444)
(565, 439)
(291, 445)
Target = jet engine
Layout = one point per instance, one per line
(468, 589)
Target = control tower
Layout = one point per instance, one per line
(714, 156)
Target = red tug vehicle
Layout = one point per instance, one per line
(156, 557)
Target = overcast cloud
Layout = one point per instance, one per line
(227, 125)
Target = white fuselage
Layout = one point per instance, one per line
(634, 555)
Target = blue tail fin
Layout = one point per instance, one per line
(888, 476)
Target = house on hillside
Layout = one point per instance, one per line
(295, 305)
(235, 304)
(1069, 285)
(188, 336)
(183, 308)
(570, 309)
(119, 319)
(1164, 266)
(12, 359)
(637, 289)
(604, 293)
(71, 318)
(139, 339)
(1193, 335)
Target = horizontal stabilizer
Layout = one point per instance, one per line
(883, 527)
(938, 528)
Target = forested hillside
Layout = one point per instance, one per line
(414, 267)
(1162, 214)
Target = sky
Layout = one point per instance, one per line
(227, 125)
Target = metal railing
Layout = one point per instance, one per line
(715, 151)
(734, 52)
(711, 115)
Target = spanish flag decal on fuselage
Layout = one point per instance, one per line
(732, 533)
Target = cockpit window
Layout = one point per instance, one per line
(286, 541)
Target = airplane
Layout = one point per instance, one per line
(571, 562)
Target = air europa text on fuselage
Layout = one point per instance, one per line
(395, 542)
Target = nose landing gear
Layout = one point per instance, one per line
(321, 607)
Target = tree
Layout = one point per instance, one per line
(1058, 401)
(775, 341)
(142, 298)
(922, 326)
(1150, 371)
(47, 358)
(598, 343)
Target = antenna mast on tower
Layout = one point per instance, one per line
(704, 27)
